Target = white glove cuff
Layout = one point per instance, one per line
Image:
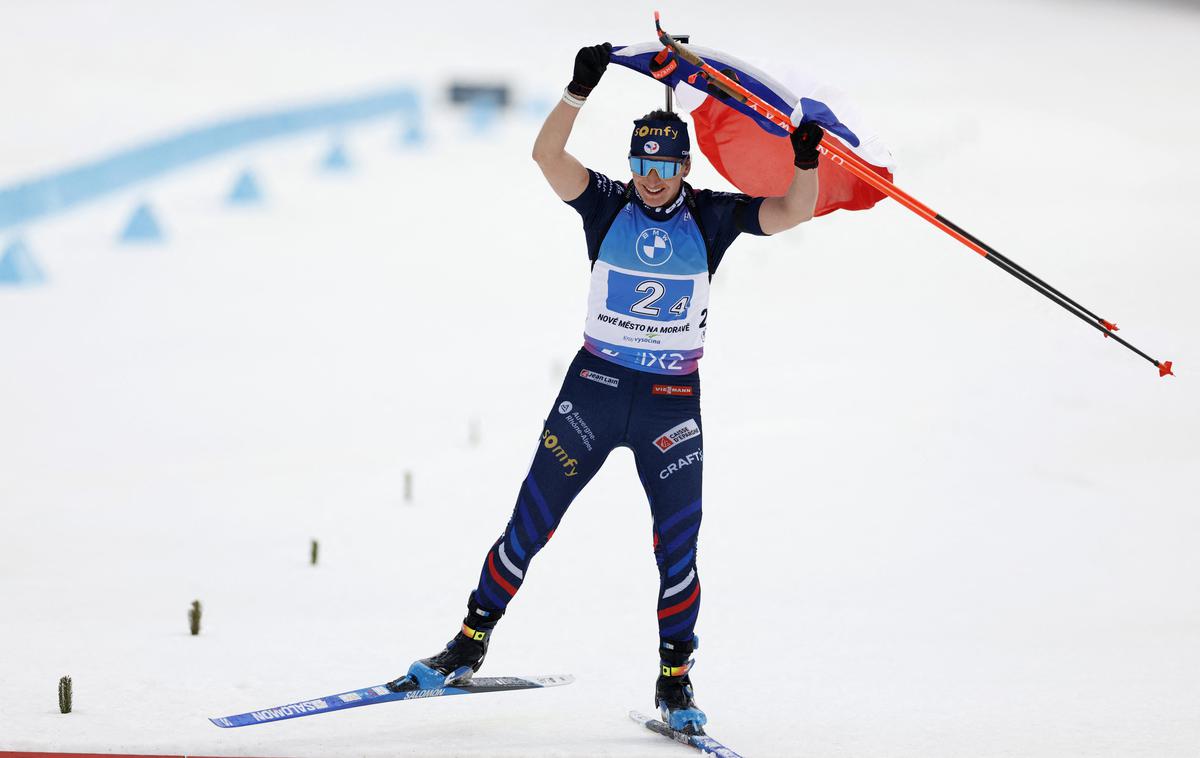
(571, 100)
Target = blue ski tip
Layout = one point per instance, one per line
(701, 742)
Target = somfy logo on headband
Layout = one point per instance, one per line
(659, 138)
(657, 131)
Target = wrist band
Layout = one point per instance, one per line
(571, 100)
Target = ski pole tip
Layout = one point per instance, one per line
(1164, 368)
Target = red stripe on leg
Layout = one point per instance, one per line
(682, 606)
(511, 590)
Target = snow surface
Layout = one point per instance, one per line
(943, 518)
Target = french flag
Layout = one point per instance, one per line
(744, 146)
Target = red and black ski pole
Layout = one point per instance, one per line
(840, 155)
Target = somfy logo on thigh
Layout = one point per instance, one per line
(681, 433)
(569, 464)
(653, 247)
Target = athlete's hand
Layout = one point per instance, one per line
(805, 139)
(590, 63)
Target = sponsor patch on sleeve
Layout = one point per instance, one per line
(673, 437)
(674, 390)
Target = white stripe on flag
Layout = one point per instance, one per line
(509, 564)
(679, 587)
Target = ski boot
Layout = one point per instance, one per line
(460, 659)
(673, 692)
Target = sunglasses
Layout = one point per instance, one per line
(642, 166)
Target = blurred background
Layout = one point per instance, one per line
(326, 298)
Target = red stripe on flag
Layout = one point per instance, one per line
(511, 590)
(839, 189)
(682, 606)
(761, 164)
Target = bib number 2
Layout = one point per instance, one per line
(655, 299)
(654, 292)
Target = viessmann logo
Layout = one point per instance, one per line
(672, 390)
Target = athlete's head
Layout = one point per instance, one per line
(659, 156)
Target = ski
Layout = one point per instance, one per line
(701, 742)
(381, 694)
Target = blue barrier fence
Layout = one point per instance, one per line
(49, 194)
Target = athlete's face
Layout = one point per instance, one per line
(656, 191)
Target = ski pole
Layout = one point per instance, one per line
(849, 161)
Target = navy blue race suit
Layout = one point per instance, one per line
(634, 384)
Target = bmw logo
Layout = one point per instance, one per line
(653, 247)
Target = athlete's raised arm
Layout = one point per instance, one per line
(779, 213)
(566, 175)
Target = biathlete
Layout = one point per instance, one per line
(654, 245)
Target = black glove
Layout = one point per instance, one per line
(805, 139)
(590, 63)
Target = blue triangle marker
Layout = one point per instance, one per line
(17, 266)
(142, 226)
(482, 116)
(411, 134)
(335, 159)
(245, 190)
